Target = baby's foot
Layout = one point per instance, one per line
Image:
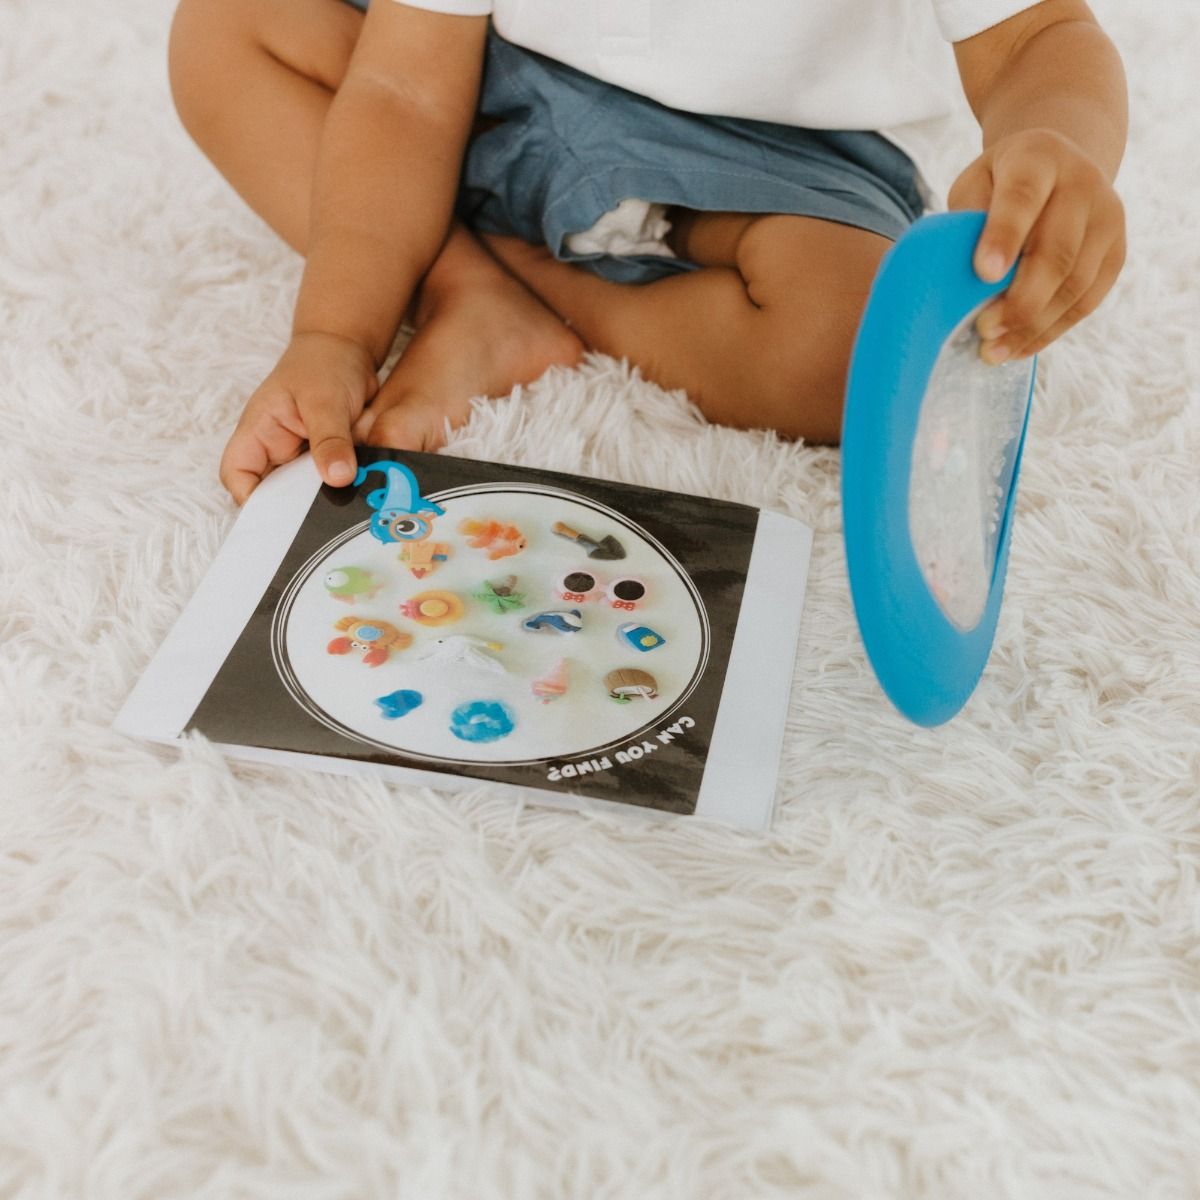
(480, 334)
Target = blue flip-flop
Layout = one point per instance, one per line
(931, 449)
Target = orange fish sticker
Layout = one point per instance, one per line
(498, 539)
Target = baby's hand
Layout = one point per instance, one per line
(1044, 197)
(314, 394)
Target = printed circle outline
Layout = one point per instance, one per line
(296, 690)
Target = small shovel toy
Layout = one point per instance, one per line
(607, 548)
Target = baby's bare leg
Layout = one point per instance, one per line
(759, 337)
(253, 81)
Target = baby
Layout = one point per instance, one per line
(703, 187)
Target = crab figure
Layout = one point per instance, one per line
(376, 639)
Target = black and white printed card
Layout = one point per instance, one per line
(447, 621)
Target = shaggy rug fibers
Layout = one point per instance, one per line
(966, 963)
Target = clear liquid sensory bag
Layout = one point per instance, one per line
(931, 450)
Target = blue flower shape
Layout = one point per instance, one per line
(482, 721)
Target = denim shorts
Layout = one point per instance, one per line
(559, 148)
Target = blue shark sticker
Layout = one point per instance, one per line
(399, 504)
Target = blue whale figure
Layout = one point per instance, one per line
(398, 504)
(560, 620)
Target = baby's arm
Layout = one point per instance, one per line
(1048, 90)
(386, 176)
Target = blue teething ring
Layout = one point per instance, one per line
(925, 287)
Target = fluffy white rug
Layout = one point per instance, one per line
(966, 964)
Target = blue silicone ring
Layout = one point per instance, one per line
(925, 287)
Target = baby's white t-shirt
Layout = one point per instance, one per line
(883, 65)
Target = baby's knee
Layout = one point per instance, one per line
(810, 282)
(215, 45)
(206, 36)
